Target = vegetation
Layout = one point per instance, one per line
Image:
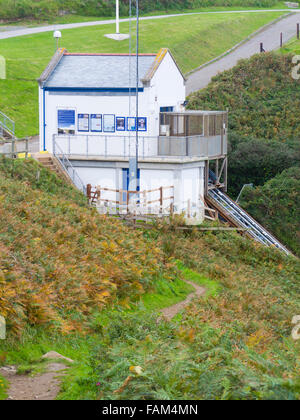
(41, 9)
(59, 258)
(292, 47)
(200, 39)
(276, 203)
(234, 343)
(262, 96)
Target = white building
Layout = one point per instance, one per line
(87, 119)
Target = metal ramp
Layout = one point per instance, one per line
(7, 127)
(238, 217)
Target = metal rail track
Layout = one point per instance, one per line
(233, 212)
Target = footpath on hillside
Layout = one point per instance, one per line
(46, 386)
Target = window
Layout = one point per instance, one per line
(167, 109)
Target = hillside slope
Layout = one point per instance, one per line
(261, 97)
(59, 260)
(62, 263)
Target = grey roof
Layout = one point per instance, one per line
(97, 71)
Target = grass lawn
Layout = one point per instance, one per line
(292, 47)
(192, 39)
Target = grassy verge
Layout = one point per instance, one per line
(291, 47)
(193, 40)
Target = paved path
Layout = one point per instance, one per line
(271, 39)
(29, 31)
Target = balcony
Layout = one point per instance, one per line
(183, 136)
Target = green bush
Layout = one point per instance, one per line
(276, 205)
(258, 160)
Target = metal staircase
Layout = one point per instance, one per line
(7, 127)
(236, 216)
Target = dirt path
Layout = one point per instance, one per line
(170, 312)
(45, 386)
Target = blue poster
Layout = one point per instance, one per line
(142, 124)
(66, 121)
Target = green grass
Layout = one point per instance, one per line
(3, 388)
(291, 47)
(212, 287)
(193, 40)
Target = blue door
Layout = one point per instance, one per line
(126, 182)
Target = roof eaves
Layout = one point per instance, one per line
(51, 66)
(157, 62)
(107, 55)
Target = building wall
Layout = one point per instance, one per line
(188, 182)
(166, 89)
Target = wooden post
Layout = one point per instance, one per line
(172, 209)
(89, 191)
(281, 40)
(298, 30)
(26, 148)
(98, 193)
(13, 143)
(189, 208)
(161, 200)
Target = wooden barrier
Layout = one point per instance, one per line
(95, 195)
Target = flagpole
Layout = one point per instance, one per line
(117, 17)
(137, 89)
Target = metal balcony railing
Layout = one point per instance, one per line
(102, 146)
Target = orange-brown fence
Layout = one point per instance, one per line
(141, 198)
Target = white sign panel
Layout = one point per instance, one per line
(96, 122)
(83, 122)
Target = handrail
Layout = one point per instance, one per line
(14, 152)
(123, 146)
(7, 124)
(66, 166)
(258, 232)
